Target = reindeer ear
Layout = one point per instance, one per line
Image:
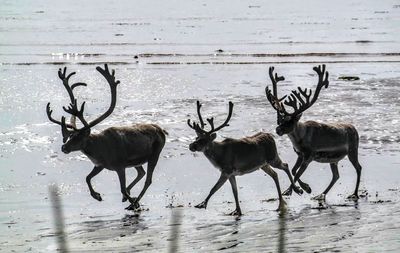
(298, 116)
(213, 136)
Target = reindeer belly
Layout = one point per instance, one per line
(137, 161)
(242, 171)
(329, 156)
(245, 167)
(322, 153)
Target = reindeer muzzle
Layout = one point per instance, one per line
(65, 150)
(279, 131)
(192, 147)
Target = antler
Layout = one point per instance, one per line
(211, 120)
(73, 110)
(110, 77)
(196, 126)
(200, 128)
(65, 79)
(49, 112)
(273, 98)
(302, 97)
(66, 133)
(62, 74)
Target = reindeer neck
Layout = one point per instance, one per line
(298, 133)
(213, 151)
(92, 144)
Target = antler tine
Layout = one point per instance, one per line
(322, 82)
(272, 99)
(190, 125)
(321, 73)
(196, 126)
(202, 124)
(275, 79)
(65, 80)
(305, 93)
(110, 77)
(62, 74)
(211, 120)
(297, 95)
(73, 110)
(64, 130)
(49, 112)
(292, 102)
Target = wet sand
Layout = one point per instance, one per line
(200, 51)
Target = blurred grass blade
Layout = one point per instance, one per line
(175, 230)
(58, 219)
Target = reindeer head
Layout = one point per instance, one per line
(205, 137)
(299, 100)
(75, 139)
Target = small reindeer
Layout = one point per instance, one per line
(236, 157)
(115, 148)
(313, 141)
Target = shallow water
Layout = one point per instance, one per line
(201, 50)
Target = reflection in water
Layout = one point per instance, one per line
(102, 229)
(174, 230)
(234, 234)
(130, 220)
(58, 218)
(282, 232)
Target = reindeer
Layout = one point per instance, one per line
(115, 148)
(313, 141)
(236, 157)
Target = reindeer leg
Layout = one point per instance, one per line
(96, 170)
(303, 185)
(284, 166)
(122, 183)
(353, 157)
(288, 191)
(303, 167)
(222, 179)
(335, 177)
(140, 175)
(150, 169)
(272, 173)
(237, 212)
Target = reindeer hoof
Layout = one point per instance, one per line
(201, 205)
(353, 197)
(96, 196)
(236, 213)
(124, 199)
(288, 192)
(320, 197)
(133, 206)
(298, 190)
(306, 187)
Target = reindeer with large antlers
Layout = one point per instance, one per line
(313, 141)
(115, 148)
(236, 157)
